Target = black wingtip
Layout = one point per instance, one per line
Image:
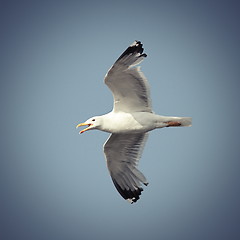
(131, 196)
(135, 48)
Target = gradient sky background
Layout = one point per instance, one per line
(54, 182)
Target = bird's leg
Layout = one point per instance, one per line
(173, 124)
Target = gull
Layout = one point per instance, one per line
(129, 122)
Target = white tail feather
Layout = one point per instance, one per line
(186, 121)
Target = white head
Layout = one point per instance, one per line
(92, 123)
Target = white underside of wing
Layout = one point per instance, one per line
(128, 84)
(122, 152)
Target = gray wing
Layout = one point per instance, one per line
(122, 152)
(129, 86)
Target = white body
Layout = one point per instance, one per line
(138, 122)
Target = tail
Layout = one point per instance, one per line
(186, 121)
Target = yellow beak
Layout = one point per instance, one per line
(84, 124)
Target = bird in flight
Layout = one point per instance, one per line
(129, 122)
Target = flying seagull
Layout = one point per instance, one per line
(129, 122)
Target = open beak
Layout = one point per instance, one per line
(84, 124)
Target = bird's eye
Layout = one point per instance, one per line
(93, 120)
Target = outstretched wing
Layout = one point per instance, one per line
(122, 152)
(129, 86)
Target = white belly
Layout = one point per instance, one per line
(122, 122)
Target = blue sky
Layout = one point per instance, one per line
(54, 182)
